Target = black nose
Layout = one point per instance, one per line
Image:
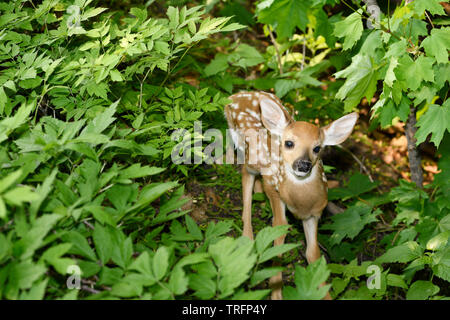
(302, 165)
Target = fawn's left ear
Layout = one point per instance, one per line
(339, 130)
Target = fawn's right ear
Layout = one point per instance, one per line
(272, 115)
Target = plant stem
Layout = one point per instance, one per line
(414, 158)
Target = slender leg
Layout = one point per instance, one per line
(258, 186)
(312, 246)
(279, 218)
(248, 181)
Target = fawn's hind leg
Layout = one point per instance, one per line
(248, 181)
(279, 218)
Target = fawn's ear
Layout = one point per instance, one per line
(272, 115)
(339, 130)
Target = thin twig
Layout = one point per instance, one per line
(141, 89)
(429, 19)
(89, 289)
(275, 45)
(90, 226)
(362, 166)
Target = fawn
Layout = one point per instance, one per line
(292, 171)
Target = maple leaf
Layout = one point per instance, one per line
(361, 81)
(435, 121)
(432, 6)
(285, 15)
(350, 222)
(411, 73)
(350, 28)
(437, 44)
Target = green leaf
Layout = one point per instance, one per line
(103, 241)
(267, 235)
(421, 290)
(441, 263)
(350, 222)
(122, 248)
(324, 27)
(9, 180)
(178, 282)
(43, 191)
(437, 44)
(80, 245)
(217, 65)
(53, 257)
(276, 251)
(435, 120)
(152, 192)
(390, 75)
(20, 194)
(395, 280)
(245, 56)
(193, 228)
(433, 6)
(251, 295)
(92, 12)
(439, 241)
(101, 121)
(402, 253)
(136, 171)
(264, 274)
(412, 73)
(24, 274)
(160, 263)
(284, 16)
(204, 286)
(2, 209)
(116, 75)
(308, 281)
(358, 184)
(33, 239)
(361, 81)
(350, 28)
(37, 291)
(234, 260)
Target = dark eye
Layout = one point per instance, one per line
(316, 149)
(289, 144)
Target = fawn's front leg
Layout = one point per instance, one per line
(312, 246)
(279, 218)
(248, 181)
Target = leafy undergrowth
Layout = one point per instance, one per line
(93, 207)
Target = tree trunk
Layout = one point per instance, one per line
(413, 152)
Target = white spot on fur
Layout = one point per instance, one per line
(254, 114)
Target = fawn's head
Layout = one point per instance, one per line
(302, 142)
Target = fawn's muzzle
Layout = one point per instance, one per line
(301, 165)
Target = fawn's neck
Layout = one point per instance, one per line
(304, 197)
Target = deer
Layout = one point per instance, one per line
(292, 171)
